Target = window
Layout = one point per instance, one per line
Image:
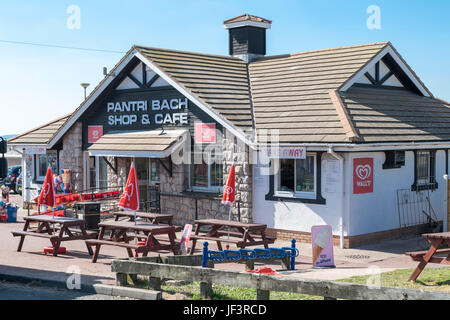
(394, 159)
(154, 171)
(297, 177)
(42, 163)
(206, 172)
(424, 170)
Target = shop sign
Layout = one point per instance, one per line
(35, 150)
(205, 133)
(362, 175)
(94, 133)
(322, 245)
(287, 153)
(148, 112)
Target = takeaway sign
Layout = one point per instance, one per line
(362, 175)
(286, 153)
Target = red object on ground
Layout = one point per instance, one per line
(229, 189)
(49, 250)
(265, 270)
(130, 197)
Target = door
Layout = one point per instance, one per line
(143, 175)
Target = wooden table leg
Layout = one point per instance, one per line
(435, 244)
(263, 237)
(83, 232)
(194, 241)
(175, 248)
(97, 246)
(22, 238)
(57, 244)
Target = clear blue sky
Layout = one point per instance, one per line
(39, 84)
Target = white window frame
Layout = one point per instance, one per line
(40, 178)
(215, 189)
(297, 194)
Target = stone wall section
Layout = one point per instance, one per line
(73, 156)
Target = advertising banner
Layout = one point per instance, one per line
(205, 133)
(94, 133)
(322, 245)
(362, 175)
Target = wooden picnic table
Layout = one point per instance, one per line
(154, 218)
(424, 257)
(120, 238)
(241, 234)
(67, 229)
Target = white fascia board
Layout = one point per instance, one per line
(115, 153)
(91, 99)
(377, 58)
(195, 100)
(247, 24)
(345, 147)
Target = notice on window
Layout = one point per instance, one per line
(331, 174)
(362, 175)
(94, 133)
(205, 133)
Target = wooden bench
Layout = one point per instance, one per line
(35, 234)
(418, 255)
(96, 242)
(200, 237)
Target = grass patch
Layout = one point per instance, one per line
(222, 292)
(430, 279)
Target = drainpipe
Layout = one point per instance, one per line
(341, 173)
(445, 226)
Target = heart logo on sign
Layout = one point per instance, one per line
(363, 172)
(126, 195)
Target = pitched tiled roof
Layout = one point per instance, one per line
(291, 93)
(247, 17)
(221, 82)
(40, 135)
(396, 115)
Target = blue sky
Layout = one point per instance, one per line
(39, 84)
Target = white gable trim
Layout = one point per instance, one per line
(87, 103)
(377, 58)
(195, 100)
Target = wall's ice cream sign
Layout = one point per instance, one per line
(158, 111)
(362, 175)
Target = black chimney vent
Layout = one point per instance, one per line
(247, 36)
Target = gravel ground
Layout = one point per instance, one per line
(15, 291)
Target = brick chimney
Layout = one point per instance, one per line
(247, 36)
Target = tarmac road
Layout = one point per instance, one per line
(15, 291)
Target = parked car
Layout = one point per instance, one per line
(18, 185)
(13, 174)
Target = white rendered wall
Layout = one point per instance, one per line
(378, 211)
(296, 216)
(363, 213)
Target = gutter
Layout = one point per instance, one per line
(445, 200)
(341, 174)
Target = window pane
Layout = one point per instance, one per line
(423, 167)
(305, 175)
(286, 175)
(103, 174)
(92, 175)
(43, 165)
(216, 174)
(155, 171)
(200, 175)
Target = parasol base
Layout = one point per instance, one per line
(50, 250)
